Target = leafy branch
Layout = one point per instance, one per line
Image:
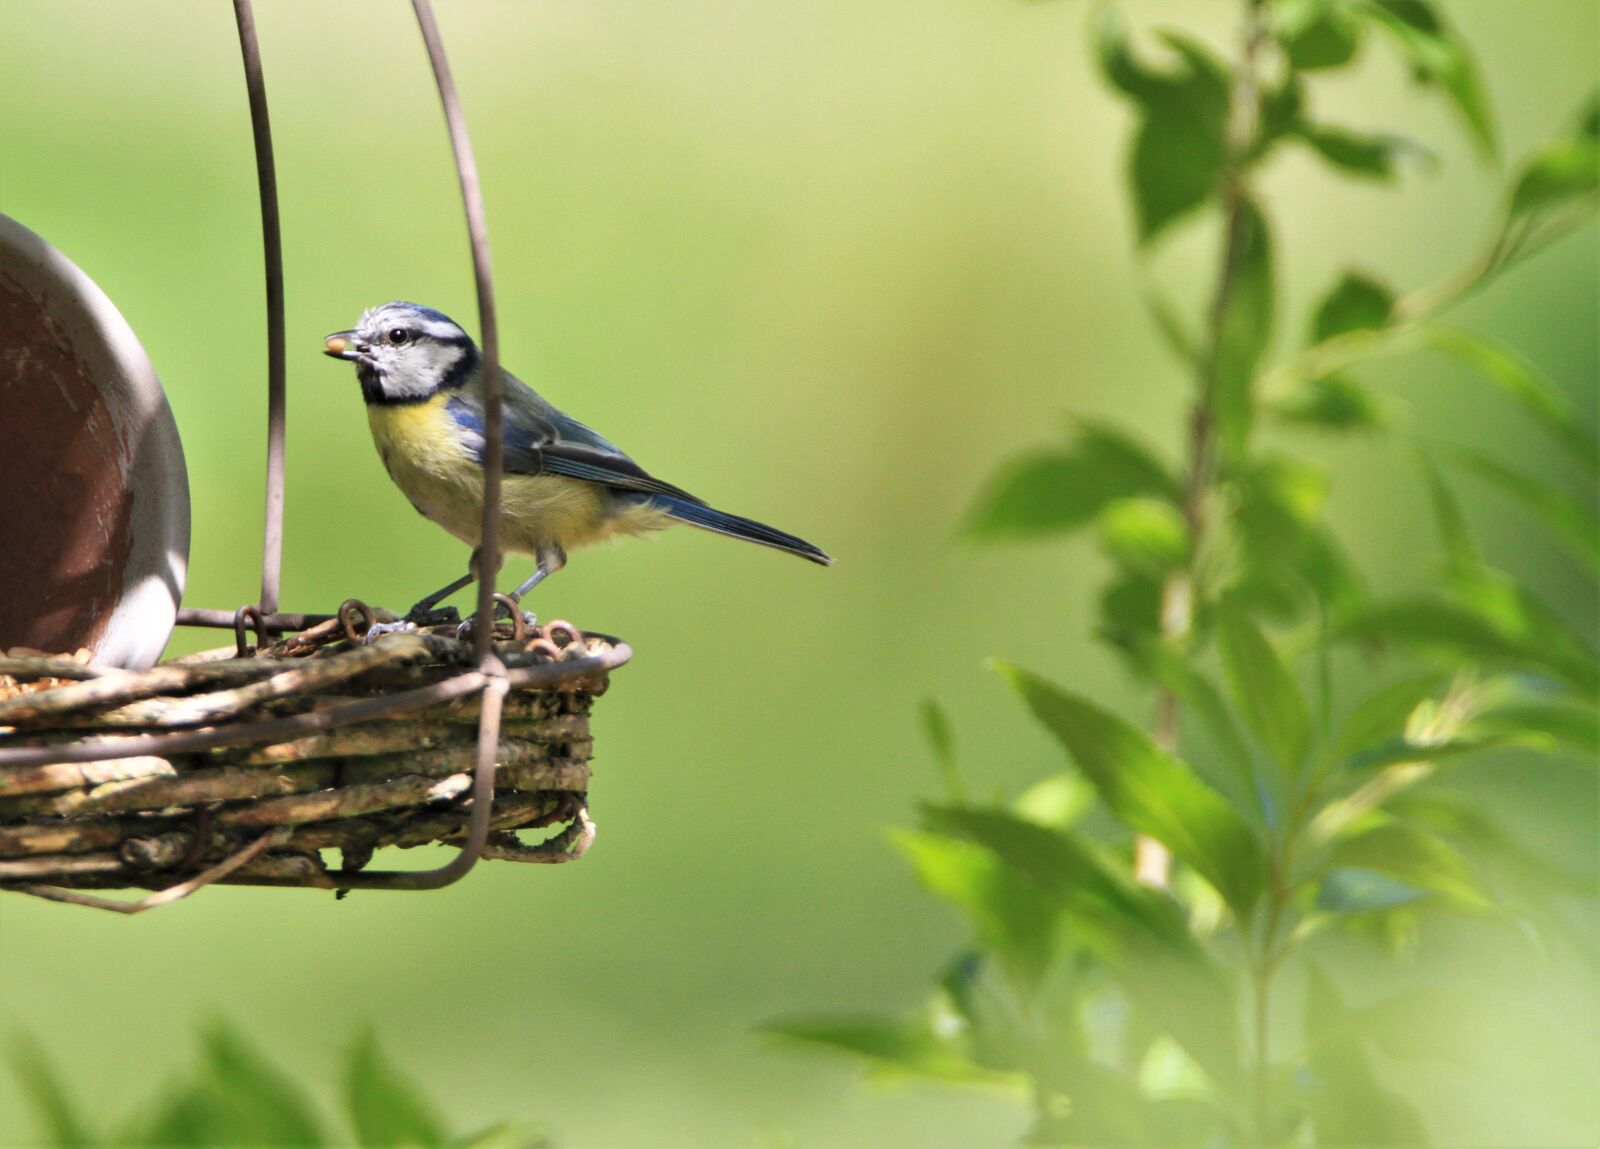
(1170, 879)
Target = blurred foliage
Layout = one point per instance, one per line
(826, 264)
(234, 1096)
(1142, 921)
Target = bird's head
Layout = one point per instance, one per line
(405, 353)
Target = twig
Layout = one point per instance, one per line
(31, 669)
(524, 764)
(117, 687)
(1152, 860)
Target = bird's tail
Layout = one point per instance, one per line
(708, 518)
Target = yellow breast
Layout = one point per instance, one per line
(421, 449)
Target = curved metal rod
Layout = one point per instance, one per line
(483, 273)
(494, 693)
(272, 245)
(489, 665)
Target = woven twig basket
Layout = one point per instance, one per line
(261, 808)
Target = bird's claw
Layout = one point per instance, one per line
(378, 629)
(437, 616)
(530, 621)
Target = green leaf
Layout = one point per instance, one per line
(1476, 634)
(1139, 933)
(1569, 723)
(1176, 166)
(1548, 641)
(1523, 382)
(1264, 690)
(1332, 403)
(1356, 891)
(1012, 917)
(1058, 490)
(1433, 750)
(385, 1108)
(1438, 56)
(1059, 801)
(236, 1098)
(1460, 550)
(1246, 326)
(1356, 303)
(1179, 151)
(1465, 820)
(1345, 1101)
(263, 1100)
(58, 1119)
(1411, 855)
(901, 1046)
(1381, 716)
(1130, 615)
(1287, 549)
(1068, 870)
(1567, 517)
(1151, 791)
(1144, 535)
(1316, 35)
(936, 726)
(1201, 698)
(1282, 108)
(190, 1116)
(1559, 174)
(1364, 155)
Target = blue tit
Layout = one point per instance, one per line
(565, 486)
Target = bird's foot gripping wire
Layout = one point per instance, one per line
(424, 615)
(378, 629)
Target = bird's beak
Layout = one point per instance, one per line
(342, 345)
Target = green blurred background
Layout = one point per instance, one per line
(823, 263)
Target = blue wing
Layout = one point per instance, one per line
(540, 440)
(546, 442)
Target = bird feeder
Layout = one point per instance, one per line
(286, 761)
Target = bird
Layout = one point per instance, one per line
(565, 486)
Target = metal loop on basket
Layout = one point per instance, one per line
(258, 622)
(353, 606)
(519, 625)
(560, 626)
(543, 646)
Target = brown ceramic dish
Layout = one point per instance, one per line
(94, 498)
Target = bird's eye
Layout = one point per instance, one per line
(398, 335)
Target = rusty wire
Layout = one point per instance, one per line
(279, 622)
(272, 245)
(491, 678)
(488, 329)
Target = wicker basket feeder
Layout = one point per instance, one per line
(349, 781)
(255, 764)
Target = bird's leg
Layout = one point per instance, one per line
(551, 559)
(533, 580)
(424, 614)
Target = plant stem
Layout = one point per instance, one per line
(1152, 862)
